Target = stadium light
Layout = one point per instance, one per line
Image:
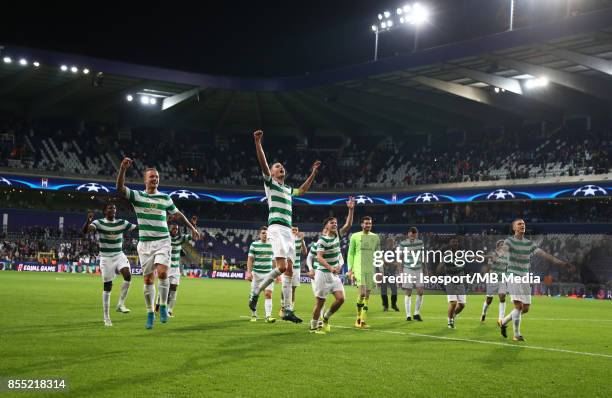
(74, 69)
(415, 14)
(129, 98)
(7, 60)
(36, 64)
(538, 82)
(23, 62)
(153, 101)
(86, 71)
(496, 90)
(144, 100)
(64, 68)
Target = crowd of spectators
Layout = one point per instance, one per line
(73, 147)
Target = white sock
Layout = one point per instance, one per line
(268, 307)
(502, 310)
(407, 304)
(270, 278)
(508, 317)
(450, 320)
(171, 300)
(516, 322)
(164, 288)
(314, 323)
(417, 306)
(485, 306)
(322, 312)
(125, 286)
(106, 303)
(287, 292)
(149, 295)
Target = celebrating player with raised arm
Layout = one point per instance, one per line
(281, 238)
(112, 259)
(154, 246)
(519, 251)
(327, 267)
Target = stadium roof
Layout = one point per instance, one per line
(451, 86)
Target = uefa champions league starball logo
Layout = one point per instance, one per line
(590, 190)
(362, 199)
(4, 181)
(184, 194)
(92, 187)
(500, 194)
(426, 197)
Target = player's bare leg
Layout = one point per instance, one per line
(334, 307)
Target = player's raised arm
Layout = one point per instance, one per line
(553, 259)
(313, 172)
(349, 218)
(88, 227)
(126, 163)
(194, 231)
(261, 156)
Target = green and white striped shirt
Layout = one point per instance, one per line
(497, 263)
(110, 235)
(413, 246)
(279, 201)
(151, 210)
(330, 246)
(177, 242)
(297, 264)
(519, 254)
(262, 256)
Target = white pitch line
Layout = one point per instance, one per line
(518, 345)
(478, 318)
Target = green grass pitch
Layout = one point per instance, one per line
(52, 327)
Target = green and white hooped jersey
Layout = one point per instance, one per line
(519, 255)
(297, 264)
(151, 211)
(330, 246)
(177, 242)
(413, 246)
(110, 235)
(498, 264)
(279, 201)
(262, 256)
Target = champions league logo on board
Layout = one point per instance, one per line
(500, 194)
(362, 199)
(426, 197)
(92, 187)
(184, 194)
(590, 190)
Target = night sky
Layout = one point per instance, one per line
(255, 38)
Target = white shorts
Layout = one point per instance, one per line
(174, 275)
(496, 288)
(110, 266)
(460, 298)
(153, 252)
(258, 279)
(326, 283)
(283, 242)
(295, 280)
(520, 292)
(416, 275)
